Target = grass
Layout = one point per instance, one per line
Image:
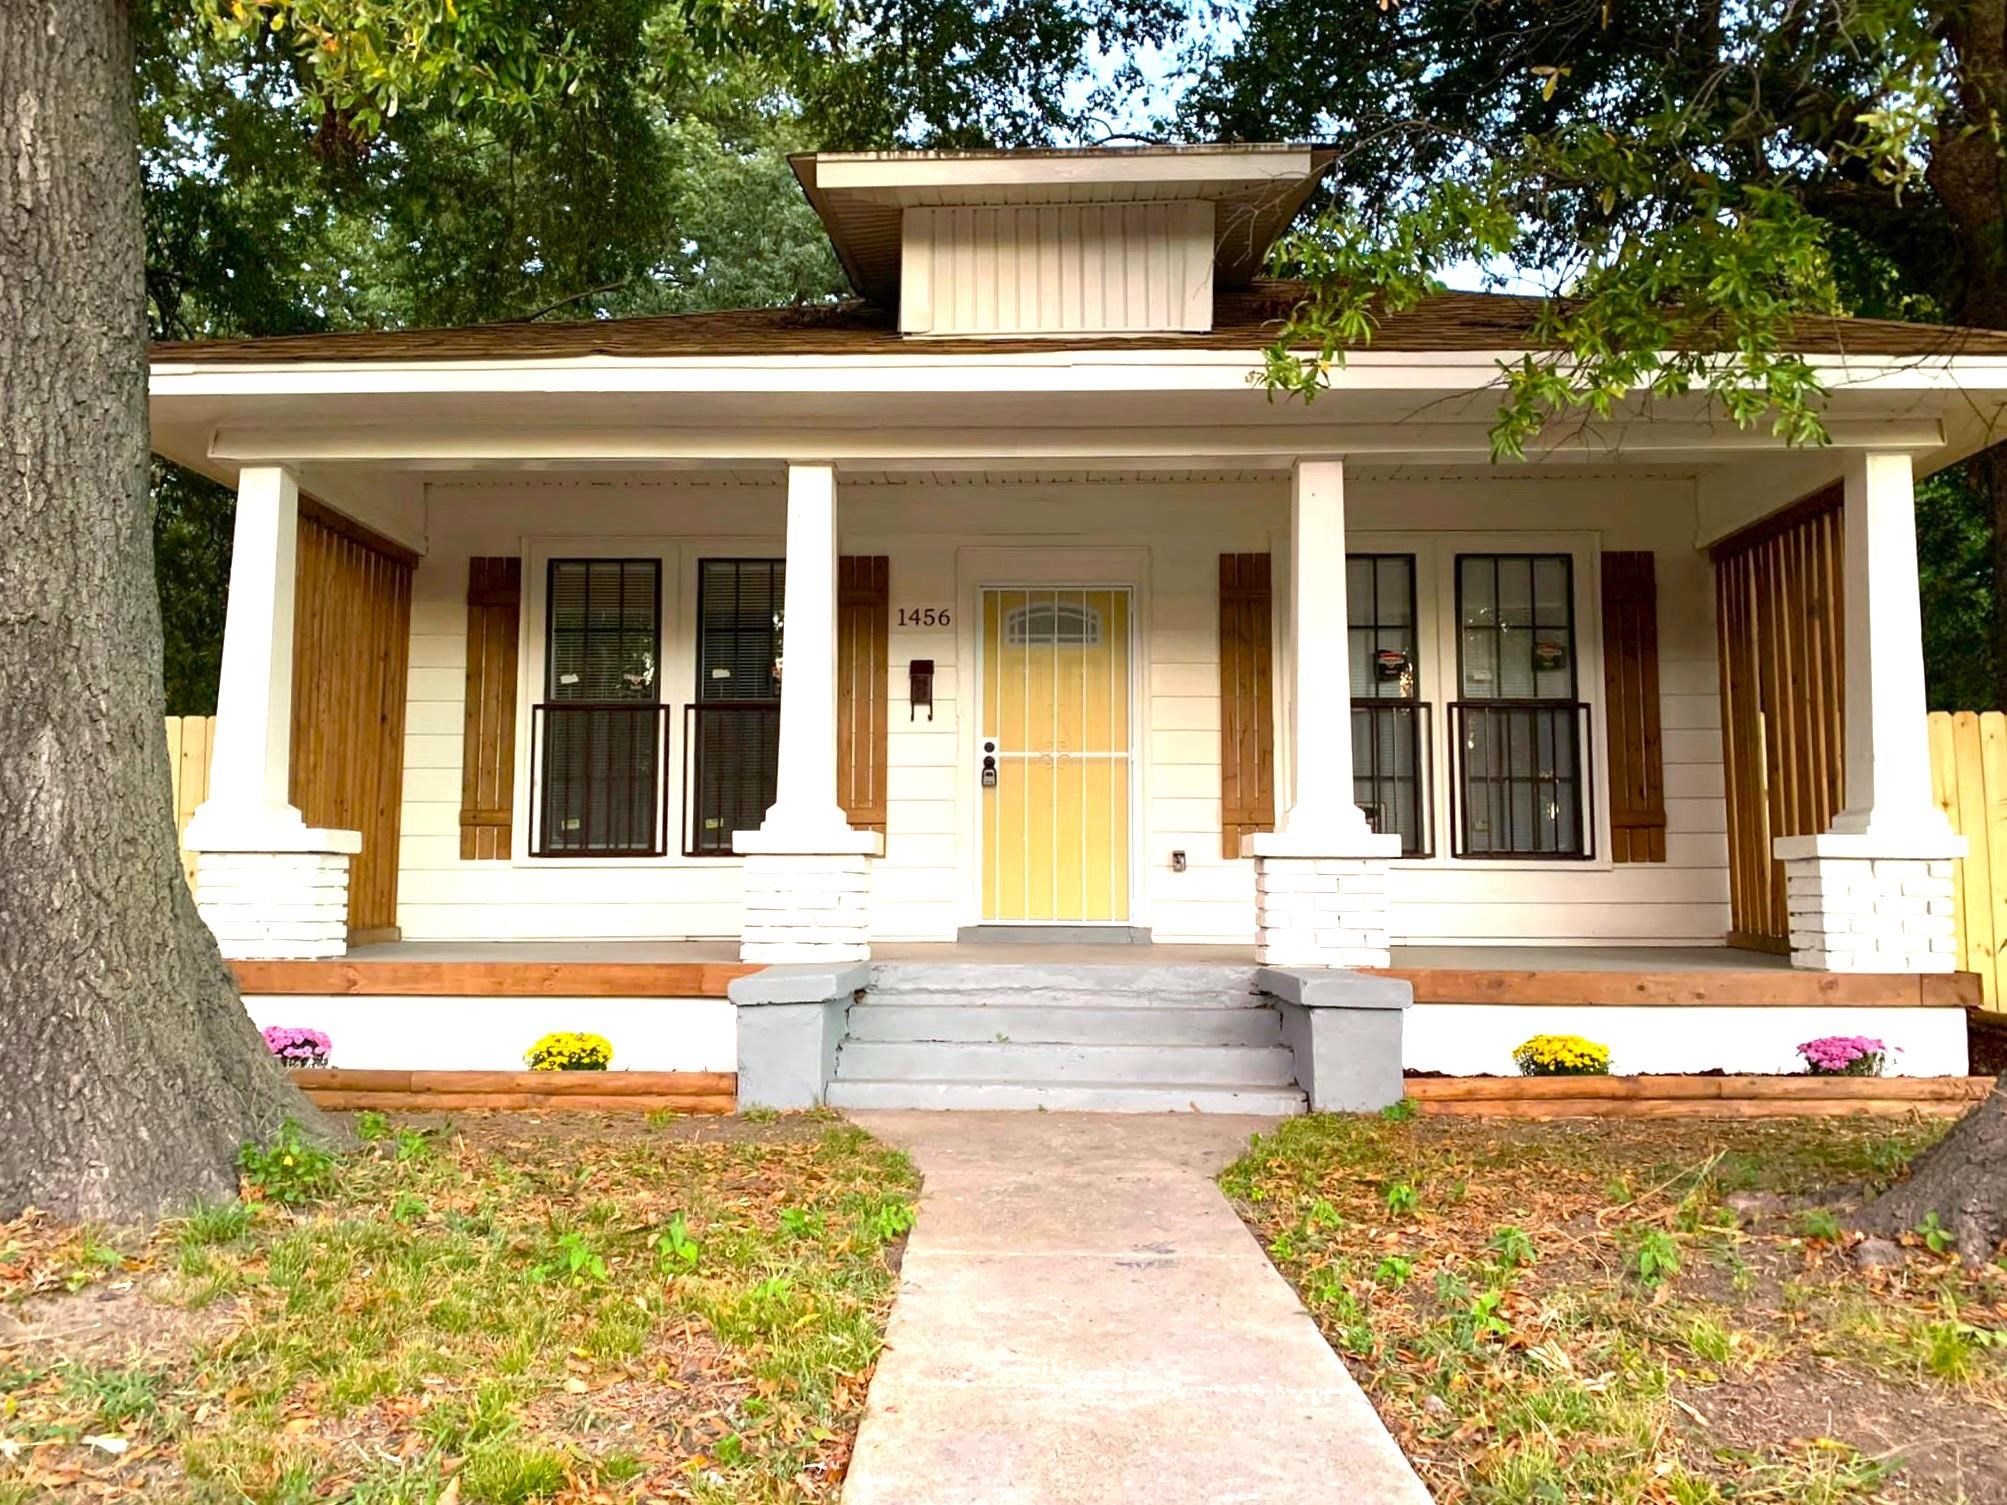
(1634, 1310)
(495, 1313)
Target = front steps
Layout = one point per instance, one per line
(1097, 1037)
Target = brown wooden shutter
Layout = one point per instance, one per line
(1247, 705)
(351, 654)
(863, 640)
(488, 746)
(1631, 704)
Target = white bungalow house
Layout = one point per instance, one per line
(1001, 604)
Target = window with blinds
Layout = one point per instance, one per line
(599, 731)
(1389, 720)
(1521, 783)
(733, 736)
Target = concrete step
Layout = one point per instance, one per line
(1040, 1023)
(1146, 1065)
(1082, 984)
(1068, 1097)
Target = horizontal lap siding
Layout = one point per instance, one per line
(920, 886)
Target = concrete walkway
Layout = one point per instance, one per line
(1083, 1319)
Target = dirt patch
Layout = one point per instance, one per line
(119, 1324)
(1945, 1446)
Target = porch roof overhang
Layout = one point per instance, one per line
(380, 413)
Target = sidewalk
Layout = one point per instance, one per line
(1083, 1319)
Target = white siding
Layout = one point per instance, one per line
(1057, 268)
(943, 537)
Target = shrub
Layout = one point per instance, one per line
(296, 1046)
(1562, 1055)
(1844, 1055)
(567, 1050)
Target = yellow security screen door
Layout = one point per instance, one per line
(1056, 706)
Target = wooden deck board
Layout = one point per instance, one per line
(498, 979)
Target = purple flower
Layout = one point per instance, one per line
(298, 1047)
(1844, 1055)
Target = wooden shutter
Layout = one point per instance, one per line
(351, 649)
(1247, 705)
(863, 634)
(488, 744)
(1631, 705)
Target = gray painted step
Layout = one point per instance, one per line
(1047, 982)
(1147, 1065)
(1028, 1023)
(1070, 1097)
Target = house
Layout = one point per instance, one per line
(571, 668)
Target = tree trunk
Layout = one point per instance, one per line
(129, 1071)
(1962, 1178)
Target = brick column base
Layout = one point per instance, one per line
(806, 907)
(1871, 914)
(1320, 911)
(280, 906)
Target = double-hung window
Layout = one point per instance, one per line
(1517, 728)
(597, 736)
(1390, 734)
(733, 731)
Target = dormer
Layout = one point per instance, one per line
(1083, 241)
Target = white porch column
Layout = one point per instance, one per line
(1321, 876)
(807, 873)
(267, 884)
(1874, 892)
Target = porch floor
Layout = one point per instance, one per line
(1405, 958)
(1692, 975)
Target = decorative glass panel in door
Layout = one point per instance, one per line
(1055, 700)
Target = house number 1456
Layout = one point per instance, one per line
(925, 616)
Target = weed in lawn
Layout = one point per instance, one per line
(1512, 1246)
(1816, 1223)
(1403, 1201)
(287, 1170)
(1393, 1270)
(216, 1223)
(676, 1253)
(1651, 1254)
(370, 1125)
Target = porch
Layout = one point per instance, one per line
(668, 1006)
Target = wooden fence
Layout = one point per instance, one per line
(1968, 774)
(188, 742)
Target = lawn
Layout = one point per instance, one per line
(487, 1312)
(1639, 1310)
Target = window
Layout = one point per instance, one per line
(1053, 624)
(732, 736)
(1389, 721)
(1516, 728)
(598, 732)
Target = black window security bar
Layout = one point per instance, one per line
(596, 771)
(1520, 779)
(731, 762)
(1391, 774)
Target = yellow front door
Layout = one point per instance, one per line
(1056, 706)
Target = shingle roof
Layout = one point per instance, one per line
(1244, 319)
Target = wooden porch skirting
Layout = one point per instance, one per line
(538, 1091)
(1696, 1096)
(489, 979)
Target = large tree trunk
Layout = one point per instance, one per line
(129, 1071)
(1962, 1178)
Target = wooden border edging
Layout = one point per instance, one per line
(544, 1091)
(545, 979)
(1680, 1096)
(1766, 987)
